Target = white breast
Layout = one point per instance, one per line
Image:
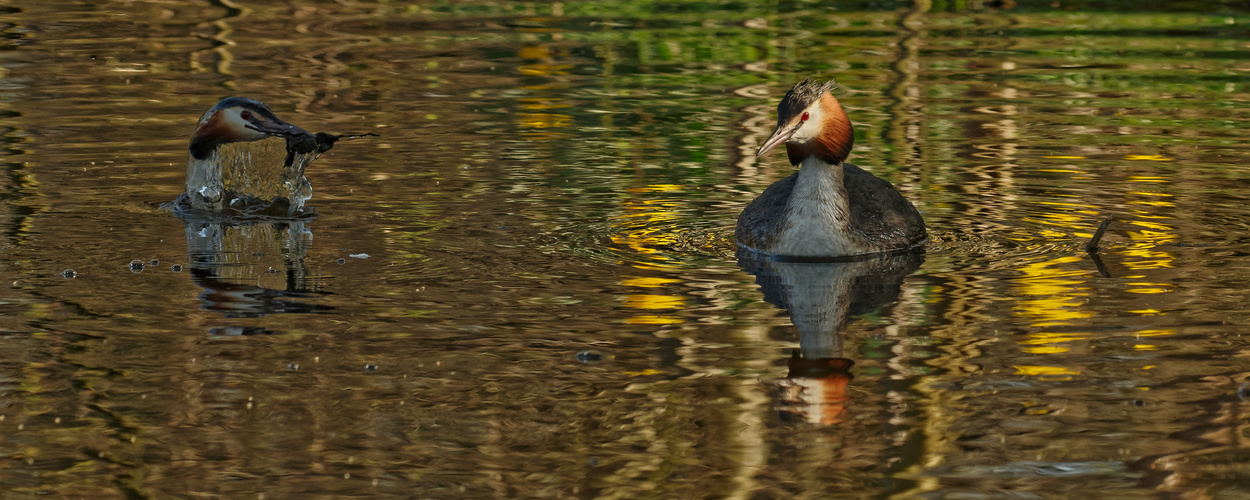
(817, 214)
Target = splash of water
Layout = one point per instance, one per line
(250, 179)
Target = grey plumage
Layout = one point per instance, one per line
(880, 217)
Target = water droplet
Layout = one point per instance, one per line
(176, 268)
(69, 274)
(1244, 392)
(258, 254)
(371, 368)
(341, 261)
(292, 366)
(154, 262)
(272, 270)
(589, 356)
(136, 266)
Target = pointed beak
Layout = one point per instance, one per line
(278, 128)
(781, 135)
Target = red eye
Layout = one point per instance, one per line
(247, 115)
(804, 116)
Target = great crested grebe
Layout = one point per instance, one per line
(234, 119)
(829, 208)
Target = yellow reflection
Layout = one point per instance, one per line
(1147, 158)
(649, 319)
(654, 301)
(1145, 347)
(1034, 370)
(1059, 294)
(544, 69)
(1149, 289)
(542, 104)
(1154, 333)
(1145, 178)
(648, 371)
(543, 120)
(534, 52)
(1146, 312)
(648, 282)
(1046, 350)
(657, 188)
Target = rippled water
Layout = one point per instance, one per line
(526, 284)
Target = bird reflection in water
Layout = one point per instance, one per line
(822, 297)
(252, 268)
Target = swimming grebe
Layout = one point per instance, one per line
(829, 208)
(234, 119)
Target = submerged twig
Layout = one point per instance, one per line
(1092, 245)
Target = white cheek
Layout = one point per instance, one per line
(240, 127)
(804, 133)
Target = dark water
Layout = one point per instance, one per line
(526, 285)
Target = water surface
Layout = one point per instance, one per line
(526, 284)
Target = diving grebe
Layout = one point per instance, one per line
(829, 208)
(234, 119)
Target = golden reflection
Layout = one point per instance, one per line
(653, 319)
(1154, 333)
(1044, 371)
(543, 120)
(655, 301)
(1147, 158)
(1145, 178)
(544, 69)
(643, 373)
(645, 282)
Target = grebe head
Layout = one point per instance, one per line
(238, 119)
(810, 121)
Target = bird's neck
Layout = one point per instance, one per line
(819, 188)
(817, 213)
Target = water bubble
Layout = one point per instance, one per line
(272, 270)
(69, 274)
(154, 262)
(136, 266)
(341, 261)
(177, 268)
(292, 366)
(589, 356)
(371, 367)
(1244, 392)
(258, 254)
